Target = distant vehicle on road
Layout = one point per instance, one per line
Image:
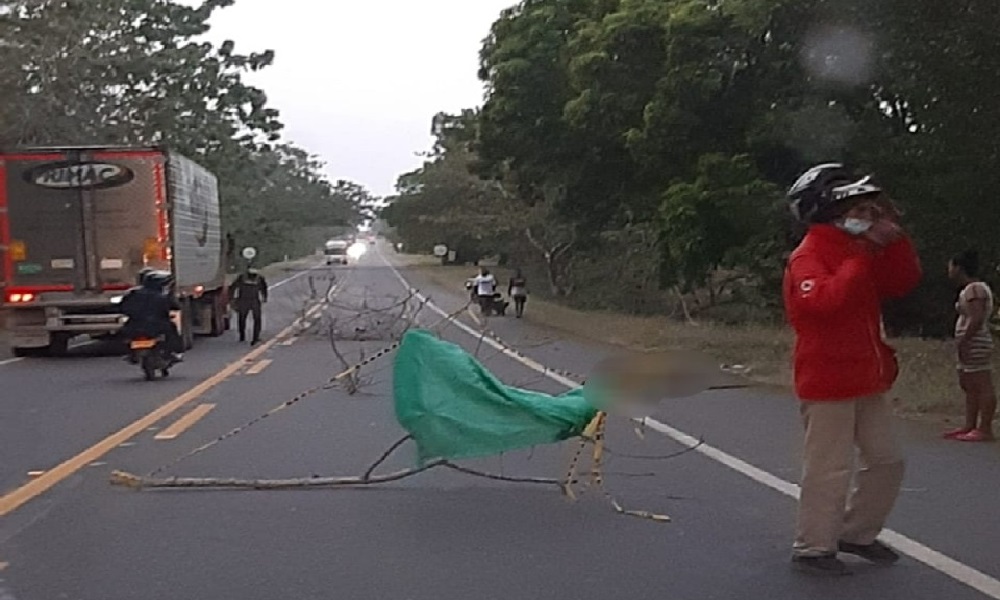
(336, 252)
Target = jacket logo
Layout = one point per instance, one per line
(807, 286)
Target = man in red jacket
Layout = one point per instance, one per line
(853, 257)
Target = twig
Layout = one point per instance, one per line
(385, 456)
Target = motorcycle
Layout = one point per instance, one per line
(151, 355)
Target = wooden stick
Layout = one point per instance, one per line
(134, 481)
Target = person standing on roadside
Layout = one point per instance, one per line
(974, 342)
(518, 290)
(854, 256)
(247, 294)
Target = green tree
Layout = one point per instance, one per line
(130, 72)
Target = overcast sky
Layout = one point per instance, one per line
(358, 81)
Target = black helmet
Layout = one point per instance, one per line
(157, 280)
(824, 186)
(140, 277)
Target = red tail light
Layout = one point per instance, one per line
(20, 297)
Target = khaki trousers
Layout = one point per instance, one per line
(826, 514)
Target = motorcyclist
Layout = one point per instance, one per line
(148, 310)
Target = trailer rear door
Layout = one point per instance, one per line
(82, 221)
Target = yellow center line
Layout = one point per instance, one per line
(27, 492)
(184, 423)
(260, 366)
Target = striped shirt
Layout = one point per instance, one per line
(981, 342)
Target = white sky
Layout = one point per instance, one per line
(358, 81)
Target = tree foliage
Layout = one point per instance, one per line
(691, 117)
(132, 72)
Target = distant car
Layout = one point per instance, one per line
(336, 252)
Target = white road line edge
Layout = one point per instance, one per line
(940, 562)
(293, 277)
(10, 361)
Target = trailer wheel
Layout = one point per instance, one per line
(58, 344)
(187, 324)
(217, 315)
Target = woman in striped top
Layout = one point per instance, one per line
(974, 342)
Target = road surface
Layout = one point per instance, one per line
(66, 533)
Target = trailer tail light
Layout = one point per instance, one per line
(20, 297)
(151, 249)
(18, 251)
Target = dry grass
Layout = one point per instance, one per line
(420, 260)
(927, 384)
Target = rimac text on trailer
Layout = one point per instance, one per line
(77, 224)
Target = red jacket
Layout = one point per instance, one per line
(833, 289)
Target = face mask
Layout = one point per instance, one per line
(856, 226)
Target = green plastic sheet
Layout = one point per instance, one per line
(454, 408)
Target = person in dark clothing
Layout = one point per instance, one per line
(518, 290)
(148, 310)
(248, 292)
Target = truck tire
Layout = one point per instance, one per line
(187, 324)
(218, 316)
(58, 344)
(188, 328)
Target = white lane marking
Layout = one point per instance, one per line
(293, 277)
(932, 558)
(259, 367)
(10, 361)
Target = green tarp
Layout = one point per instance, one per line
(455, 408)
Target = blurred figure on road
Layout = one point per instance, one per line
(247, 294)
(854, 256)
(518, 290)
(974, 343)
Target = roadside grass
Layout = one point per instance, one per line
(927, 386)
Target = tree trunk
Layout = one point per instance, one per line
(684, 306)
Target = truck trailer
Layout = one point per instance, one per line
(77, 224)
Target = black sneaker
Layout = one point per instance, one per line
(875, 552)
(827, 565)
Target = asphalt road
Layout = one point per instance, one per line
(438, 535)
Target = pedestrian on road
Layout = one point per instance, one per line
(518, 290)
(854, 255)
(974, 343)
(486, 287)
(247, 294)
